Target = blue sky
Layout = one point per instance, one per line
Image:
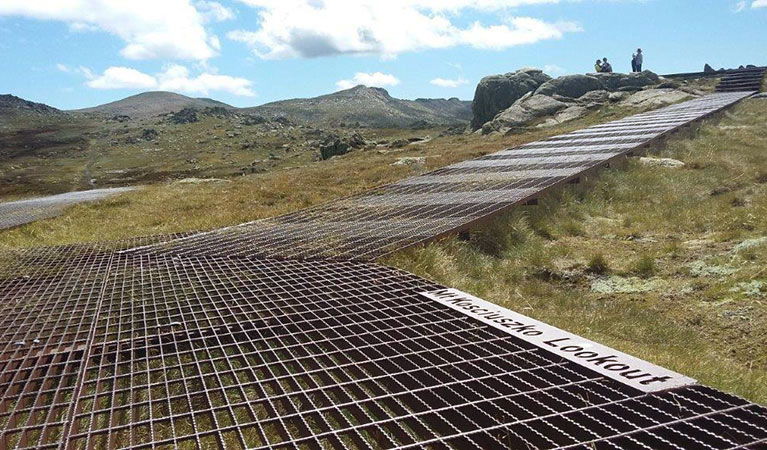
(78, 53)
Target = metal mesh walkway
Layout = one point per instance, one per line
(450, 199)
(749, 79)
(167, 352)
(203, 343)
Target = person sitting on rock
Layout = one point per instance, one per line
(638, 60)
(606, 67)
(598, 66)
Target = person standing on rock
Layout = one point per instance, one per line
(633, 62)
(638, 60)
(606, 67)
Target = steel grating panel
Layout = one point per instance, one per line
(20, 212)
(162, 350)
(238, 353)
(749, 79)
(353, 228)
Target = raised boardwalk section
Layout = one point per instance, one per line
(205, 342)
(448, 200)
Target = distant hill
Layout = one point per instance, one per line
(372, 107)
(152, 104)
(10, 104)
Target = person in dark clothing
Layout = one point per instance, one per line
(634, 62)
(638, 60)
(606, 67)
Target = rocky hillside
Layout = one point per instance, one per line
(369, 107)
(10, 104)
(503, 103)
(150, 104)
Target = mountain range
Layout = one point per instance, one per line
(150, 104)
(367, 106)
(361, 105)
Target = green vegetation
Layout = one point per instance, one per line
(598, 265)
(687, 278)
(287, 184)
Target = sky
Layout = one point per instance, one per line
(78, 53)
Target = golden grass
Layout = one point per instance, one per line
(175, 207)
(644, 222)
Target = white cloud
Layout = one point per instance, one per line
(759, 4)
(214, 11)
(151, 29)
(442, 82)
(376, 79)
(84, 71)
(740, 6)
(175, 78)
(310, 28)
(553, 69)
(122, 78)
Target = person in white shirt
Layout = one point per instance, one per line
(638, 60)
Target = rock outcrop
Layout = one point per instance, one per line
(562, 99)
(498, 92)
(335, 145)
(656, 97)
(619, 81)
(661, 162)
(572, 86)
(186, 115)
(11, 103)
(523, 112)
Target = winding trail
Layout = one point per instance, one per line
(20, 212)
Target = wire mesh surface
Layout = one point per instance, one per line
(415, 210)
(127, 351)
(20, 212)
(103, 348)
(749, 79)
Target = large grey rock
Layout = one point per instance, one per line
(655, 97)
(523, 113)
(542, 105)
(334, 146)
(566, 115)
(661, 162)
(618, 96)
(600, 96)
(572, 86)
(616, 81)
(498, 92)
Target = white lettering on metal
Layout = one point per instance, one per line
(611, 363)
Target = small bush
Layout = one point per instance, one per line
(573, 228)
(645, 266)
(598, 265)
(737, 202)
